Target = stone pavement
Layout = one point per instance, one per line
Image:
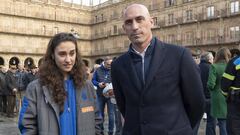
(8, 126)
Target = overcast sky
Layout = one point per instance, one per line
(86, 2)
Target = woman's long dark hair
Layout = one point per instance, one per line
(51, 76)
(223, 55)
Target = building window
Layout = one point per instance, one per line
(155, 21)
(210, 11)
(171, 38)
(96, 32)
(234, 32)
(234, 7)
(210, 35)
(189, 15)
(56, 30)
(115, 29)
(44, 29)
(170, 18)
(102, 17)
(169, 3)
(96, 18)
(189, 37)
(154, 5)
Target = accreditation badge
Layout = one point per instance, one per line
(87, 109)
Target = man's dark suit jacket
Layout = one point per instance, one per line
(171, 101)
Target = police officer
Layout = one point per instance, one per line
(230, 85)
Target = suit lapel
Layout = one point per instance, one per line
(156, 61)
(132, 72)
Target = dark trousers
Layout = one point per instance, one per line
(1, 103)
(11, 102)
(102, 101)
(4, 103)
(233, 118)
(118, 121)
(211, 121)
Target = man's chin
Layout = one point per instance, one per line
(137, 42)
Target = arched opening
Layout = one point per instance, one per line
(1, 61)
(40, 62)
(86, 63)
(29, 62)
(14, 61)
(99, 61)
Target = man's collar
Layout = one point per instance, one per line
(150, 45)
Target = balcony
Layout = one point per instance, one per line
(169, 3)
(204, 16)
(98, 20)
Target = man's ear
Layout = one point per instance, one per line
(52, 56)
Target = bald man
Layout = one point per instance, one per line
(157, 85)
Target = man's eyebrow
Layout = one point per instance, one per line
(137, 17)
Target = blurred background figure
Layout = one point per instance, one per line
(11, 90)
(218, 101)
(230, 85)
(206, 61)
(101, 77)
(3, 89)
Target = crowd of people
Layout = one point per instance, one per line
(213, 74)
(13, 83)
(155, 88)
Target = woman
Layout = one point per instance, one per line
(218, 101)
(61, 101)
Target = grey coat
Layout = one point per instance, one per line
(40, 114)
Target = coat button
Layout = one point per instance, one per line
(143, 105)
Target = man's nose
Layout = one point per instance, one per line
(135, 25)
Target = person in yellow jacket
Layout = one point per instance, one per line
(230, 85)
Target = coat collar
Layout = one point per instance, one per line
(156, 61)
(159, 54)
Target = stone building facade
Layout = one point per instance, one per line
(27, 25)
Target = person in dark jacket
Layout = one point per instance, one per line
(3, 89)
(101, 77)
(31, 75)
(61, 101)
(230, 85)
(206, 61)
(157, 85)
(11, 81)
(21, 84)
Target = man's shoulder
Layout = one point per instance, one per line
(121, 59)
(171, 47)
(171, 50)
